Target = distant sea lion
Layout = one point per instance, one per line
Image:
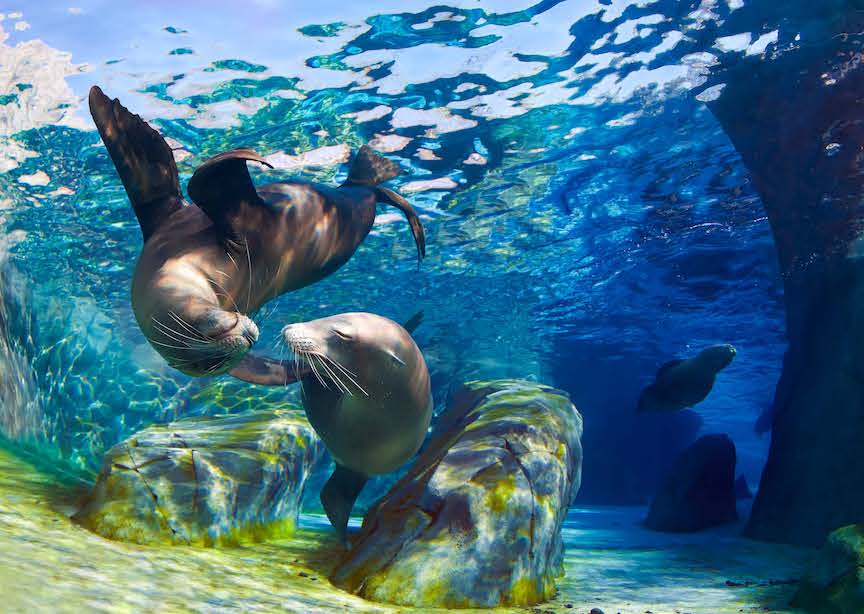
(204, 269)
(366, 391)
(683, 383)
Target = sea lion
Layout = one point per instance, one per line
(205, 269)
(366, 392)
(683, 383)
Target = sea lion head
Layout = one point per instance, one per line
(182, 315)
(368, 393)
(717, 357)
(355, 353)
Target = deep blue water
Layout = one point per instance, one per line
(587, 217)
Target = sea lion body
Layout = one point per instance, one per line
(205, 268)
(368, 397)
(683, 383)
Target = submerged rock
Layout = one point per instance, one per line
(205, 481)
(802, 102)
(834, 581)
(700, 490)
(476, 521)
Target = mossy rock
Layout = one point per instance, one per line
(834, 582)
(205, 481)
(476, 521)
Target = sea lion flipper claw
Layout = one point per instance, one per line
(142, 158)
(397, 200)
(222, 186)
(338, 497)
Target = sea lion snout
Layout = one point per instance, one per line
(719, 356)
(300, 338)
(221, 325)
(207, 345)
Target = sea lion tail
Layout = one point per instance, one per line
(371, 169)
(338, 497)
(142, 158)
(392, 198)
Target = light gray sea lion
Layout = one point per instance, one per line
(683, 383)
(205, 269)
(366, 392)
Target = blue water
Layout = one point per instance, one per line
(587, 218)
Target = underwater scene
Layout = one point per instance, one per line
(407, 306)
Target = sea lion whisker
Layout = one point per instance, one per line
(218, 365)
(249, 261)
(189, 327)
(234, 262)
(334, 377)
(318, 373)
(228, 294)
(168, 345)
(338, 364)
(171, 331)
(308, 358)
(295, 364)
(176, 335)
(347, 374)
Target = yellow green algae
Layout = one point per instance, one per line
(48, 563)
(205, 481)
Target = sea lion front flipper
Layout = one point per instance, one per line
(338, 497)
(413, 322)
(392, 198)
(268, 371)
(222, 186)
(142, 158)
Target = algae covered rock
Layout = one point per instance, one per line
(476, 521)
(834, 581)
(205, 481)
(699, 491)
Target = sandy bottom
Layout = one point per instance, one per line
(47, 563)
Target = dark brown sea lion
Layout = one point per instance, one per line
(683, 383)
(366, 392)
(205, 268)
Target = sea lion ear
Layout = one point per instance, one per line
(222, 186)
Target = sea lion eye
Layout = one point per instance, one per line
(342, 334)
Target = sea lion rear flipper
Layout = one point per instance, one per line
(338, 497)
(392, 198)
(222, 186)
(370, 169)
(142, 158)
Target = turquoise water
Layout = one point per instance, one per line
(587, 217)
(578, 198)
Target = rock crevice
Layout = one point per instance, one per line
(476, 521)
